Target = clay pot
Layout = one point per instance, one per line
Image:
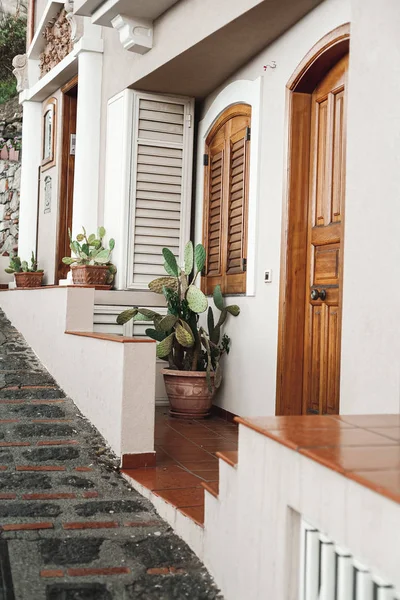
(28, 280)
(188, 393)
(89, 274)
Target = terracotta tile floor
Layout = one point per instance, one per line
(186, 457)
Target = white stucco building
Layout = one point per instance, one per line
(267, 130)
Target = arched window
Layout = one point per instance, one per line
(49, 134)
(226, 164)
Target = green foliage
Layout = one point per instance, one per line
(196, 300)
(182, 340)
(8, 89)
(189, 257)
(89, 250)
(200, 256)
(12, 42)
(21, 266)
(170, 265)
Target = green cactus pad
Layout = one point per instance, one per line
(200, 257)
(170, 265)
(222, 317)
(103, 257)
(215, 335)
(68, 260)
(91, 238)
(165, 347)
(210, 321)
(157, 285)
(189, 257)
(111, 244)
(159, 336)
(233, 309)
(126, 315)
(218, 298)
(101, 232)
(167, 322)
(146, 314)
(183, 336)
(196, 299)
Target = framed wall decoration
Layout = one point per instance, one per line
(49, 133)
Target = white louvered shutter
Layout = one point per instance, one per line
(161, 186)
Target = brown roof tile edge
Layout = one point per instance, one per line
(109, 337)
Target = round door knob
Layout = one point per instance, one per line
(315, 294)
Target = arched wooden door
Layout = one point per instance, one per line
(325, 243)
(312, 254)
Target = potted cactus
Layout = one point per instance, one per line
(193, 352)
(91, 264)
(26, 276)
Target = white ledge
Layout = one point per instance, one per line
(61, 73)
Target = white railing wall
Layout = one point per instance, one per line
(328, 572)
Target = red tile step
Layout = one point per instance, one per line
(229, 456)
(211, 487)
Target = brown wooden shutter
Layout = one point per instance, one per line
(225, 206)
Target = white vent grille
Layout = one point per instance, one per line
(161, 198)
(327, 572)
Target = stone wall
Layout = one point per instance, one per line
(10, 177)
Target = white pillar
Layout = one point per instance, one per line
(31, 158)
(370, 380)
(87, 154)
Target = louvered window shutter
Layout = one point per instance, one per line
(225, 205)
(161, 194)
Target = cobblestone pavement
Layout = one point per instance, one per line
(70, 526)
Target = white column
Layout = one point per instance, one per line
(87, 154)
(370, 380)
(31, 158)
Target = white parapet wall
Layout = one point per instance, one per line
(252, 532)
(110, 378)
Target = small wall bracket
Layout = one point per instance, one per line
(136, 35)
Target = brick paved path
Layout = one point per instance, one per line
(71, 526)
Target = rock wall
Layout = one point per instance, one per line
(10, 176)
(10, 179)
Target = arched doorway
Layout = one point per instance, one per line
(312, 251)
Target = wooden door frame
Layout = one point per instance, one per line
(65, 194)
(312, 69)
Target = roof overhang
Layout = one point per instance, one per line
(103, 12)
(201, 66)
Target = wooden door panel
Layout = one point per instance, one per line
(332, 360)
(338, 165)
(67, 174)
(315, 374)
(324, 244)
(326, 265)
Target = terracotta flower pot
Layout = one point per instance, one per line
(89, 274)
(28, 280)
(188, 393)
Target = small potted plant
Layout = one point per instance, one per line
(193, 354)
(26, 276)
(91, 264)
